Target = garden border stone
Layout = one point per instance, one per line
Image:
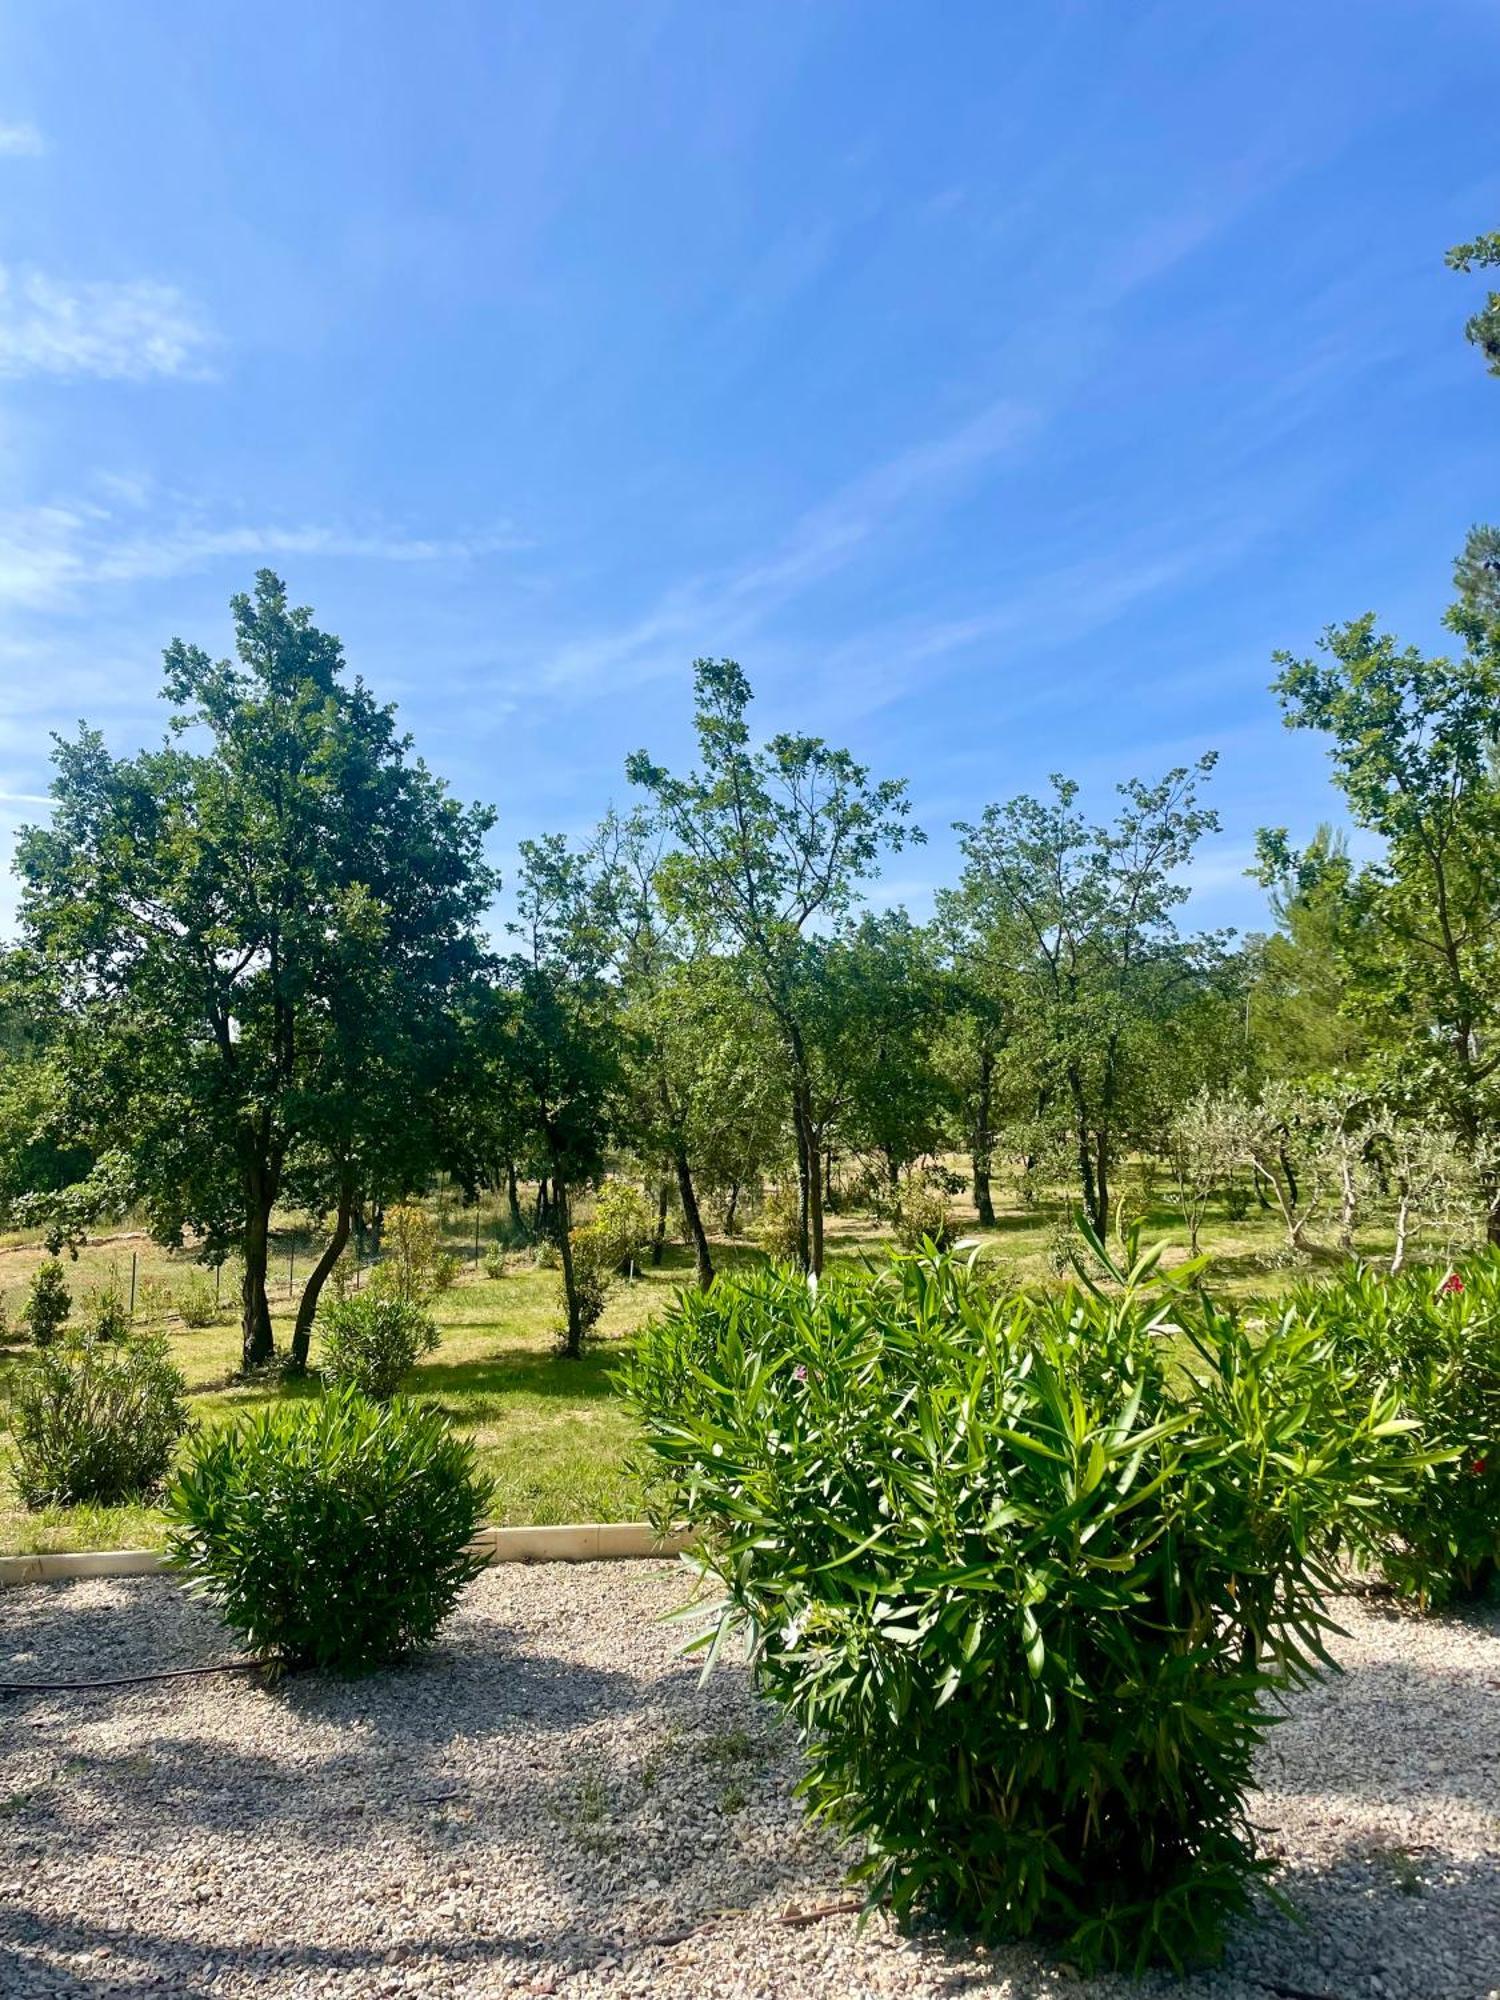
(580, 1541)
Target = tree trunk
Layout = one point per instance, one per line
(541, 1217)
(730, 1209)
(687, 1194)
(573, 1339)
(659, 1235)
(984, 1200)
(828, 1201)
(257, 1341)
(806, 1174)
(814, 1211)
(1403, 1224)
(1346, 1200)
(513, 1200)
(307, 1309)
(1101, 1181)
(982, 1153)
(1086, 1180)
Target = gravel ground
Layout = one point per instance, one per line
(549, 1804)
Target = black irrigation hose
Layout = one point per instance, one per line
(128, 1680)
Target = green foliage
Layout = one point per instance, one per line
(254, 935)
(95, 1421)
(371, 1341)
(48, 1303)
(1435, 1341)
(1083, 920)
(106, 1316)
(1026, 1585)
(919, 1212)
(495, 1261)
(196, 1301)
(585, 1280)
(621, 1226)
(1483, 328)
(332, 1532)
(767, 844)
(776, 1224)
(411, 1256)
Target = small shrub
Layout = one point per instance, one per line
(153, 1300)
(919, 1214)
(1434, 1340)
(96, 1421)
(412, 1265)
(330, 1533)
(48, 1303)
(371, 1341)
(1026, 1586)
(592, 1272)
(623, 1226)
(105, 1316)
(1238, 1199)
(495, 1261)
(777, 1224)
(196, 1302)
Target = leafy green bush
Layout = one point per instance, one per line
(371, 1341)
(106, 1317)
(1025, 1582)
(1435, 1341)
(495, 1261)
(48, 1303)
(623, 1226)
(196, 1302)
(332, 1532)
(96, 1421)
(412, 1264)
(919, 1213)
(592, 1271)
(777, 1224)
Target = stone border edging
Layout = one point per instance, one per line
(585, 1541)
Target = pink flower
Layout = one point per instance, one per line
(799, 1373)
(1452, 1283)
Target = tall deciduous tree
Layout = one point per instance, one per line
(558, 1034)
(767, 844)
(1412, 739)
(237, 931)
(1085, 918)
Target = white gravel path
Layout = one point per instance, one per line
(549, 1804)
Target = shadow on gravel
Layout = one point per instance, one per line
(90, 1631)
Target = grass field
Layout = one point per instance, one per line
(551, 1433)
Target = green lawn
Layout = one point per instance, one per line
(551, 1433)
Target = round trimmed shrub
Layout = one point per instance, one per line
(331, 1531)
(1025, 1583)
(96, 1421)
(371, 1341)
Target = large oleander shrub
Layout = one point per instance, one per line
(96, 1421)
(372, 1340)
(330, 1531)
(1027, 1572)
(1434, 1339)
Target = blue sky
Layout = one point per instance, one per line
(1000, 383)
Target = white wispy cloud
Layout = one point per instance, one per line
(50, 554)
(730, 604)
(21, 138)
(126, 331)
